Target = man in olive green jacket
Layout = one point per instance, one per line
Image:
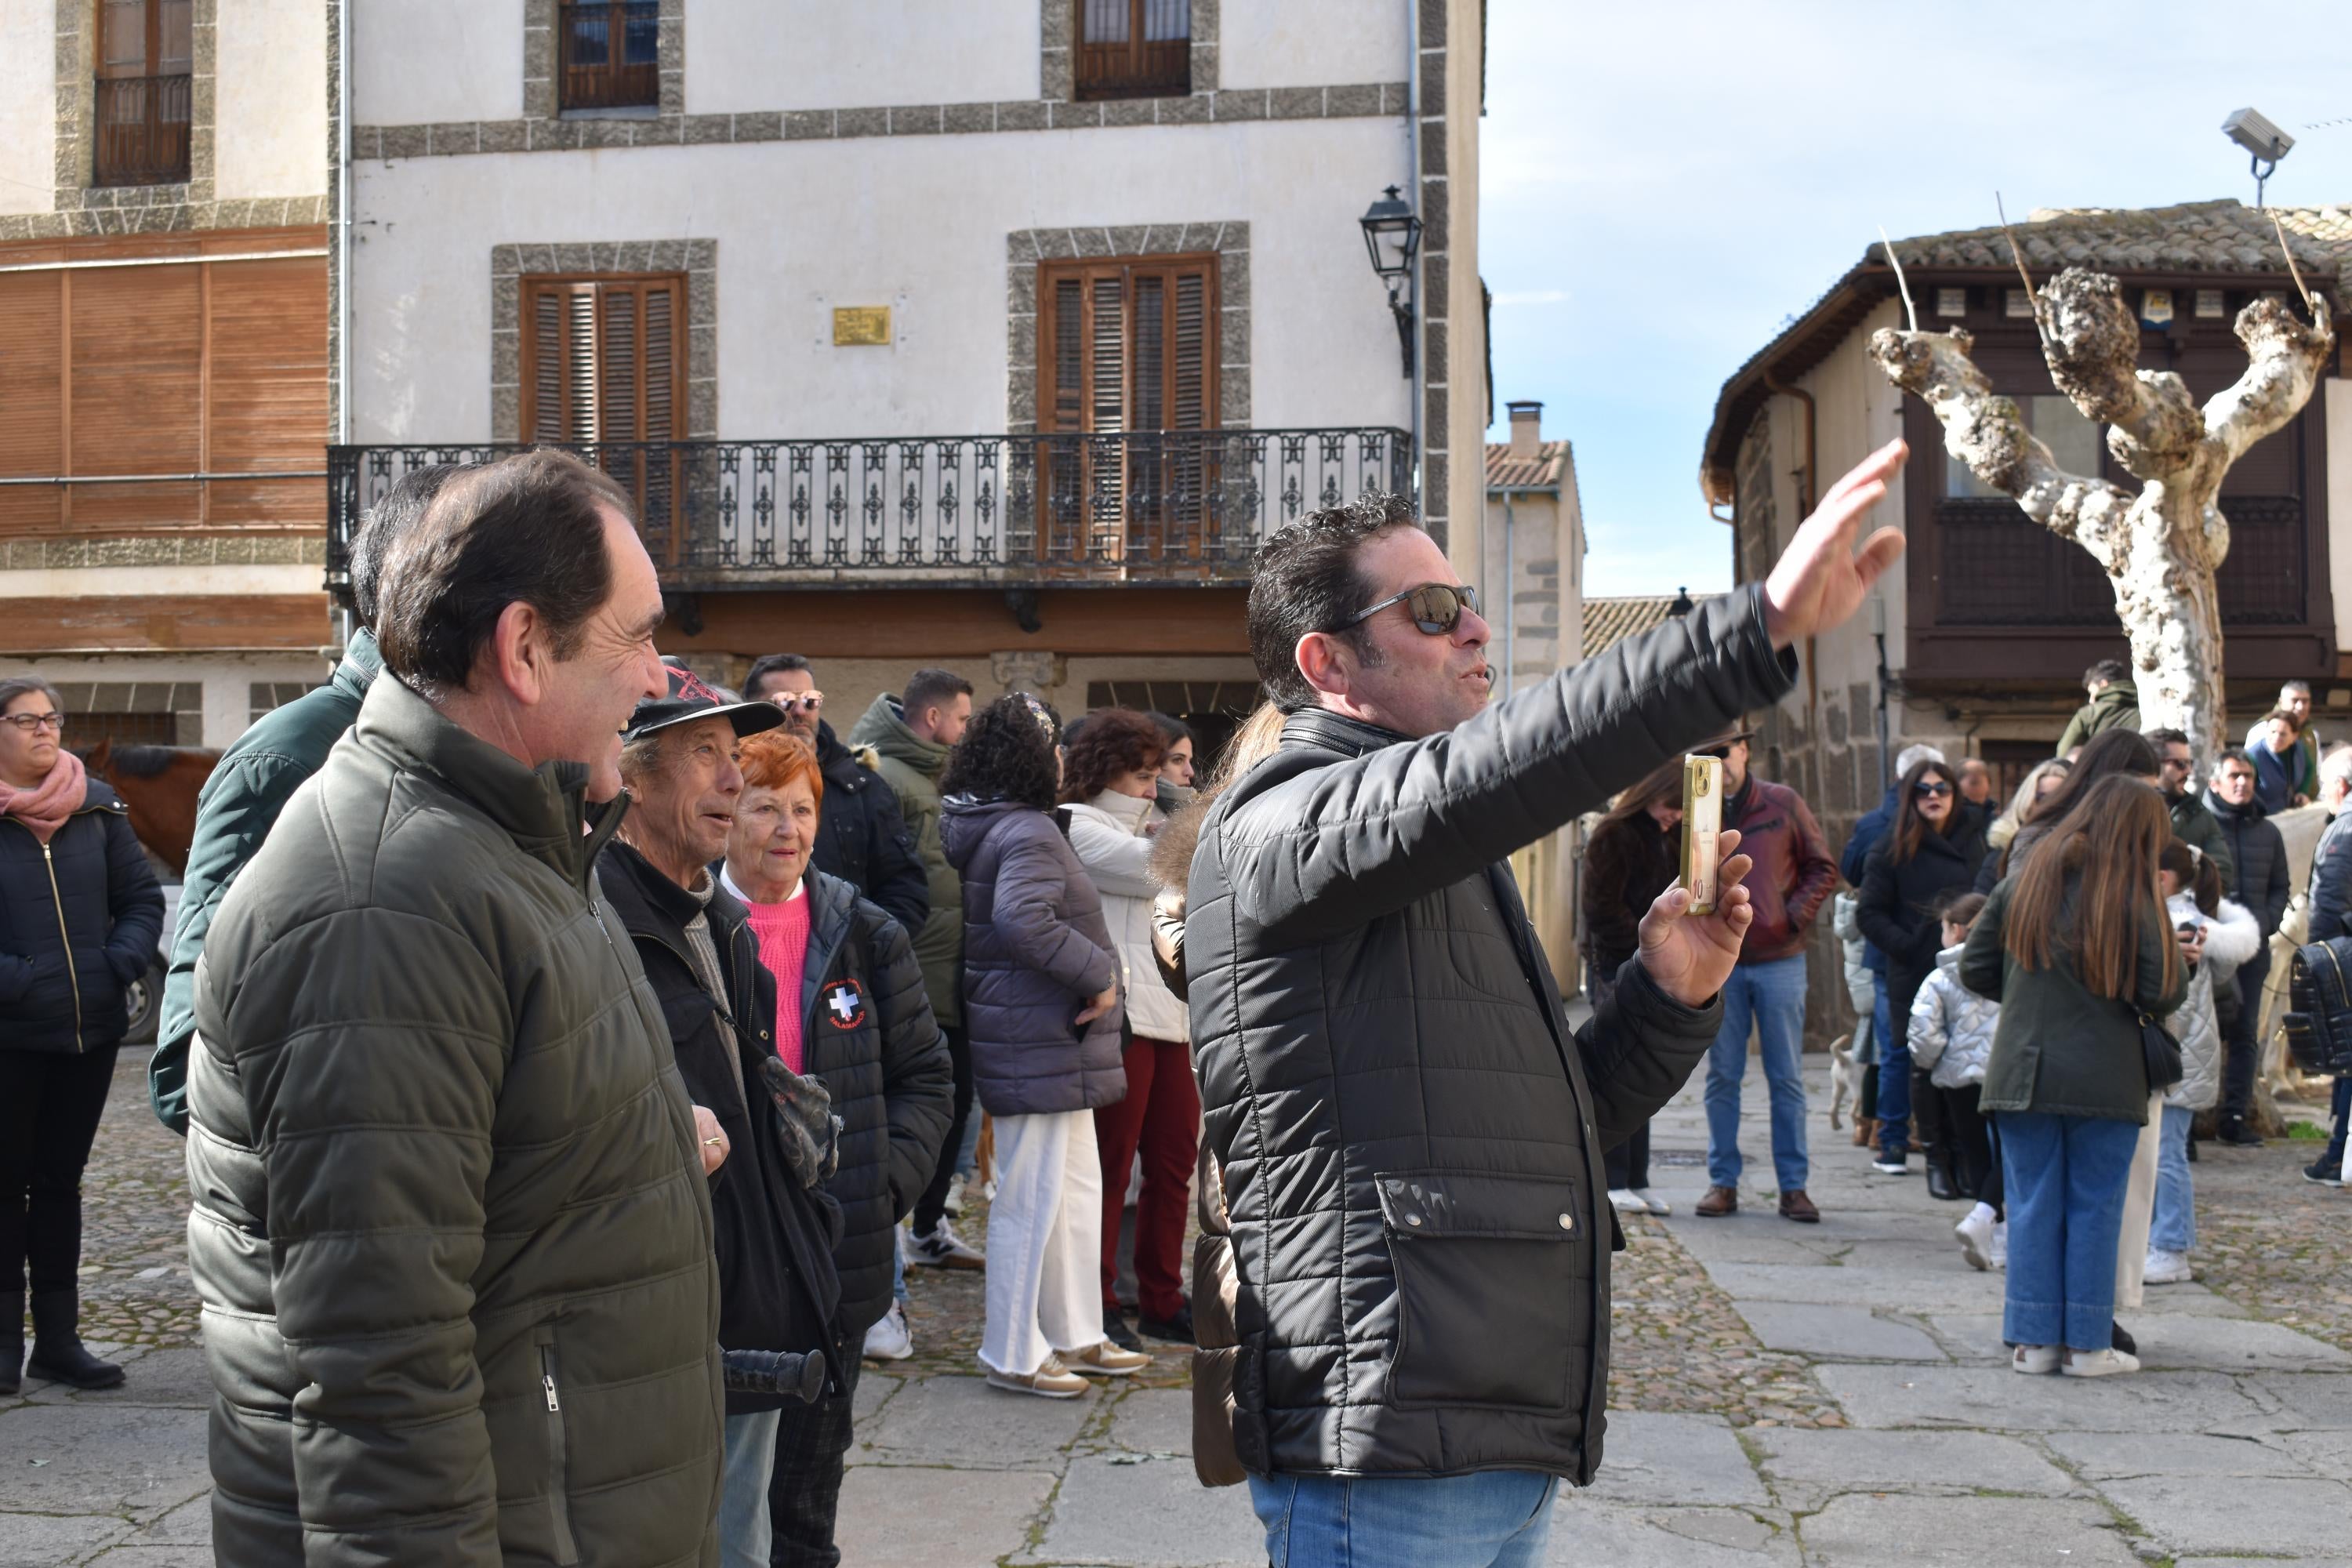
(451, 1227)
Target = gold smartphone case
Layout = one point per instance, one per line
(1702, 830)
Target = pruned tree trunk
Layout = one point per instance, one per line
(2161, 546)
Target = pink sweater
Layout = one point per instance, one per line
(783, 933)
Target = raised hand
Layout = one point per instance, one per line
(1690, 956)
(1821, 579)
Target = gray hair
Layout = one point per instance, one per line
(644, 756)
(16, 686)
(1910, 757)
(2335, 767)
(2287, 686)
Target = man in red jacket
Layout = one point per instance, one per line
(1792, 877)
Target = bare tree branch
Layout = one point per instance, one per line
(2284, 359)
(2094, 353)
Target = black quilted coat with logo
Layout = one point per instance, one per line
(1410, 1135)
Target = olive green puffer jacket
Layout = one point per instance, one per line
(460, 1300)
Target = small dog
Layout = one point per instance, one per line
(1843, 1080)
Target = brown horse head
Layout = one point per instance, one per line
(159, 785)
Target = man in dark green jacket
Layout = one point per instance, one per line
(451, 1229)
(256, 777)
(2192, 824)
(2114, 704)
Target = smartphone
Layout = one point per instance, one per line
(1702, 831)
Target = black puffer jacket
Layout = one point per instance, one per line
(2260, 878)
(862, 839)
(80, 920)
(1036, 949)
(1410, 1136)
(1894, 910)
(1627, 864)
(867, 1031)
(777, 1291)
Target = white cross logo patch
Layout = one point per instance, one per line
(846, 1005)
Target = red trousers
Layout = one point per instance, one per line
(1161, 1113)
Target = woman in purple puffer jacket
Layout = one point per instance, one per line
(1041, 1003)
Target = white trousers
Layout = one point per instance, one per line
(1045, 1242)
(2139, 1209)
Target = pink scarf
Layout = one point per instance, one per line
(45, 807)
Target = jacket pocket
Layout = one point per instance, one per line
(1486, 1283)
(558, 1502)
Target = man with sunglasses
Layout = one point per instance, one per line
(1792, 877)
(1406, 1134)
(2256, 875)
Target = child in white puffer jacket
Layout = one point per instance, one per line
(1951, 1030)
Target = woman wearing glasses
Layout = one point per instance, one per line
(80, 916)
(1929, 853)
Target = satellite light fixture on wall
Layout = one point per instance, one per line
(2268, 143)
(1393, 239)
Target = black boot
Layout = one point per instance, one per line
(1939, 1178)
(12, 1340)
(57, 1352)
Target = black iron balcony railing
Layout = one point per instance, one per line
(610, 52)
(143, 131)
(1997, 567)
(1161, 507)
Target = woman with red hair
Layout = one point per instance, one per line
(852, 1011)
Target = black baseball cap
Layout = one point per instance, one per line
(690, 698)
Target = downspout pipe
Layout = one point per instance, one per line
(343, 260)
(1808, 496)
(1412, 153)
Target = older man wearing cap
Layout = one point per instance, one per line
(1793, 876)
(771, 1222)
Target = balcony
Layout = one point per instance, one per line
(1145, 510)
(143, 131)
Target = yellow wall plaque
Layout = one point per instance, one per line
(860, 325)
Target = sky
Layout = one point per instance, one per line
(1663, 187)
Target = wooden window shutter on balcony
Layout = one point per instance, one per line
(1127, 344)
(32, 406)
(604, 367)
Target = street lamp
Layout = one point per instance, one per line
(2265, 141)
(1393, 239)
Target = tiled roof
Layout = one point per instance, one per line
(1608, 621)
(2195, 236)
(1549, 468)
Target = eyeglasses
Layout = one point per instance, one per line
(807, 702)
(1435, 607)
(1928, 787)
(1721, 753)
(32, 722)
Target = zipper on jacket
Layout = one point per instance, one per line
(73, 977)
(559, 1503)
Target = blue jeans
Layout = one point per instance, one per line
(751, 1458)
(2173, 1226)
(2066, 1177)
(1493, 1518)
(1769, 997)
(899, 1265)
(1894, 1076)
(2340, 1106)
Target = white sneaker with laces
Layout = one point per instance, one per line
(1891, 1167)
(2098, 1363)
(1625, 1200)
(2034, 1360)
(1653, 1203)
(2165, 1267)
(890, 1339)
(1051, 1381)
(1975, 1232)
(954, 1202)
(943, 1248)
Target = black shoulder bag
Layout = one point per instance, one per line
(2161, 1052)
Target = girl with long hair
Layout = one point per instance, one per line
(2107, 754)
(1634, 854)
(1927, 854)
(2079, 950)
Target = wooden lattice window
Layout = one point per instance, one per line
(603, 369)
(146, 60)
(611, 54)
(1133, 49)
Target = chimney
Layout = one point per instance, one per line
(1527, 428)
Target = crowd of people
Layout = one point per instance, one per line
(566, 1046)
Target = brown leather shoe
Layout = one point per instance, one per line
(1797, 1206)
(1866, 1132)
(1718, 1202)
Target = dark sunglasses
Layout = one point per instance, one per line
(1435, 607)
(1931, 787)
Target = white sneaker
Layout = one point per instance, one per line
(1891, 1167)
(2098, 1363)
(2034, 1360)
(1051, 1381)
(2165, 1267)
(1653, 1203)
(954, 1201)
(1625, 1200)
(890, 1339)
(943, 1248)
(2000, 1246)
(1976, 1239)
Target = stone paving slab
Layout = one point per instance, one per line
(2311, 1400)
(2174, 1340)
(1997, 1399)
(1806, 1468)
(962, 1421)
(920, 1517)
(1158, 1421)
(129, 1461)
(2249, 1514)
(1841, 1333)
(1733, 1242)
(156, 1557)
(172, 1379)
(1660, 1458)
(2103, 1456)
(190, 1525)
(43, 1540)
(1588, 1530)
(1864, 1530)
(1152, 1514)
(1958, 1288)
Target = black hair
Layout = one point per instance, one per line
(930, 687)
(2106, 754)
(527, 529)
(1958, 906)
(1008, 754)
(383, 525)
(1172, 729)
(2232, 754)
(1307, 581)
(2113, 671)
(2165, 735)
(771, 664)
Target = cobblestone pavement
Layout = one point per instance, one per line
(1782, 1395)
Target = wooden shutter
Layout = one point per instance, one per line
(1127, 344)
(136, 391)
(604, 365)
(266, 395)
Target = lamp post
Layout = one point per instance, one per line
(1393, 239)
(2268, 143)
